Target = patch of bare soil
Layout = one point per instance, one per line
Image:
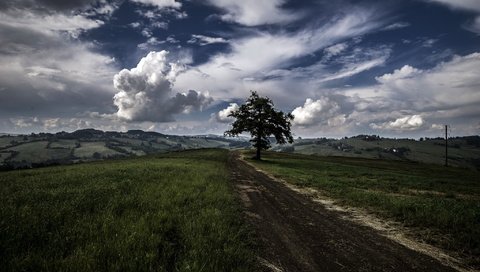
(299, 233)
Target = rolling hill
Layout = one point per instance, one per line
(35, 150)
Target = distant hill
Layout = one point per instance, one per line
(35, 150)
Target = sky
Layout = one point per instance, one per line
(396, 68)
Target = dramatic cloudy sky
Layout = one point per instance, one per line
(398, 68)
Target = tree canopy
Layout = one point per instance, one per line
(259, 117)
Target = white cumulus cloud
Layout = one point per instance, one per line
(321, 111)
(406, 71)
(145, 92)
(222, 116)
(412, 122)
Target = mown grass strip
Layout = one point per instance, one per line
(445, 201)
(171, 212)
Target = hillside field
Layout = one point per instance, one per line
(463, 152)
(170, 212)
(44, 149)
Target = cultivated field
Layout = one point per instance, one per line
(171, 212)
(443, 204)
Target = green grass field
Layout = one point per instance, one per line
(170, 212)
(4, 156)
(445, 202)
(87, 149)
(5, 141)
(67, 144)
(38, 152)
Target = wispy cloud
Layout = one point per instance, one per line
(355, 68)
(49, 23)
(204, 40)
(335, 49)
(150, 43)
(160, 3)
(397, 25)
(358, 61)
(229, 74)
(253, 13)
(429, 42)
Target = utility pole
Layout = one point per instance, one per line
(446, 145)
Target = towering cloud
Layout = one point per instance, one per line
(145, 92)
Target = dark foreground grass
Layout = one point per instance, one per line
(444, 202)
(171, 212)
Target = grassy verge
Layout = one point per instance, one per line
(171, 212)
(444, 202)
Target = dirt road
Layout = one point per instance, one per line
(297, 234)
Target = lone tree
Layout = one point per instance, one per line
(259, 117)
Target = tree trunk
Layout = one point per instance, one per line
(257, 157)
